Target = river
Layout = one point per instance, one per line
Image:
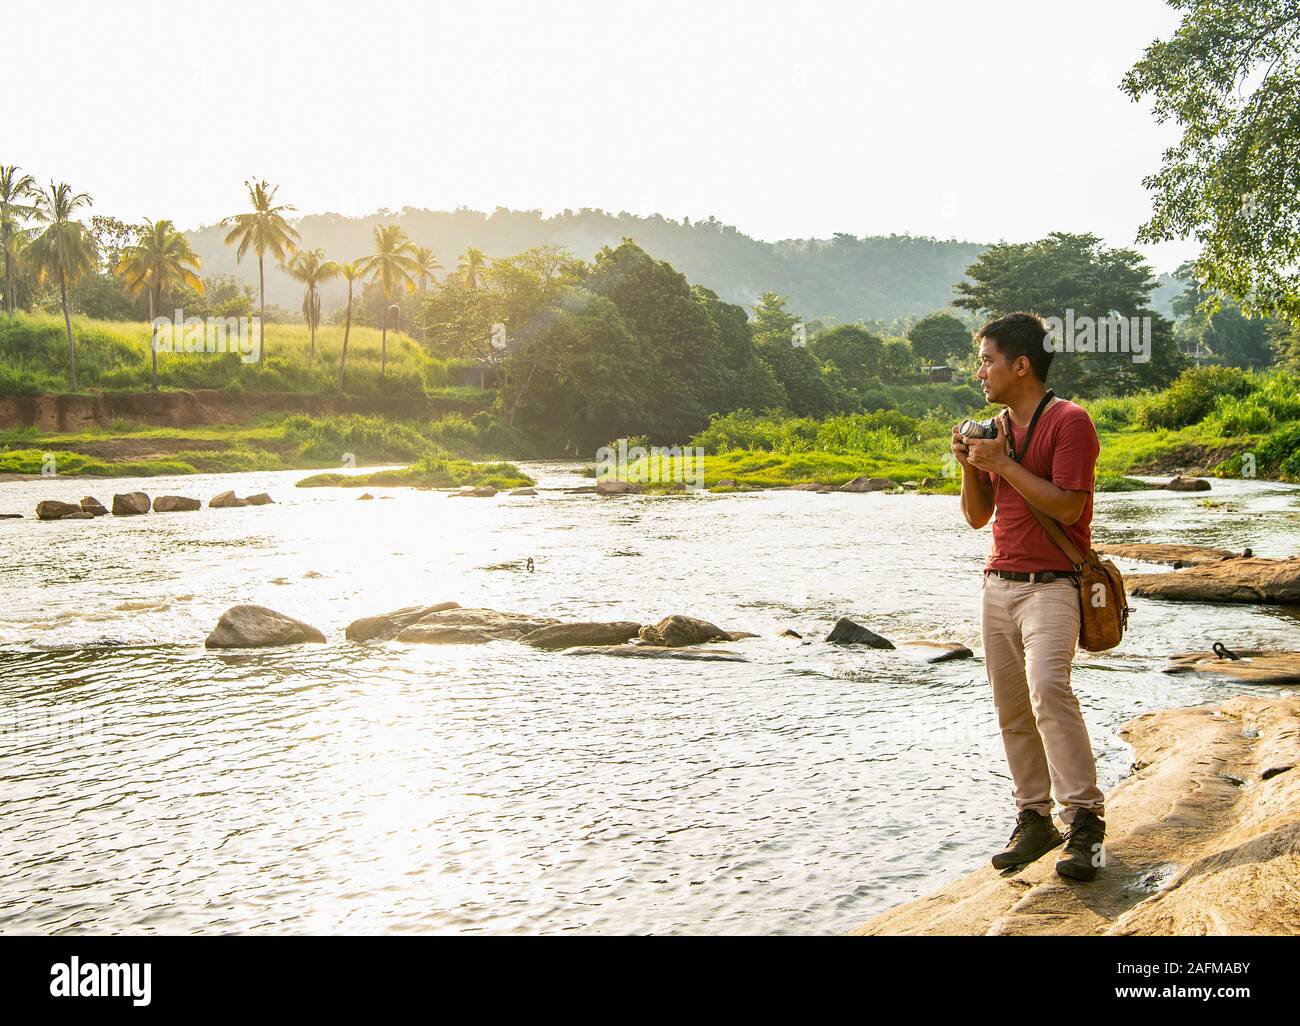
(149, 785)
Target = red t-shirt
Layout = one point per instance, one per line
(1064, 451)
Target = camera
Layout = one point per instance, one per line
(978, 428)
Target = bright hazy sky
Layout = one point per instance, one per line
(980, 121)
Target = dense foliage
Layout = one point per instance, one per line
(1229, 77)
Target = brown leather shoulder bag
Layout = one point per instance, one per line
(1103, 606)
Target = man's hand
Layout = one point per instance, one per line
(991, 455)
(960, 450)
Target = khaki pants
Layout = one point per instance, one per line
(1030, 631)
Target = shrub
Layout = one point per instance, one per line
(1114, 414)
(1192, 396)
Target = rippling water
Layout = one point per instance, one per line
(149, 785)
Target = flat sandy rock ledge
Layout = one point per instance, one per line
(1252, 665)
(1175, 555)
(1274, 581)
(1203, 838)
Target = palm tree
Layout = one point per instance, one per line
(311, 268)
(160, 260)
(350, 273)
(14, 189)
(469, 271)
(262, 230)
(393, 267)
(428, 265)
(63, 250)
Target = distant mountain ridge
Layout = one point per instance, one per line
(838, 280)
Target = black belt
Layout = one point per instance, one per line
(1038, 577)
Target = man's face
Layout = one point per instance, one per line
(995, 375)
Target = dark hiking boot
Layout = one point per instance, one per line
(1083, 852)
(1033, 837)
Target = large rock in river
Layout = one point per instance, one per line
(175, 504)
(612, 486)
(387, 625)
(1231, 580)
(846, 632)
(130, 505)
(1251, 665)
(677, 631)
(1177, 555)
(93, 506)
(572, 635)
(717, 655)
(440, 634)
(934, 651)
(52, 509)
(867, 484)
(1188, 484)
(226, 500)
(260, 499)
(259, 627)
(488, 622)
(1203, 838)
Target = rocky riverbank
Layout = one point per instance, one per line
(1203, 837)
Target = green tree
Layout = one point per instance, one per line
(780, 337)
(1229, 77)
(1238, 340)
(1286, 340)
(681, 341)
(898, 362)
(579, 379)
(392, 267)
(263, 230)
(469, 270)
(351, 273)
(17, 193)
(63, 251)
(773, 320)
(855, 351)
(746, 380)
(457, 322)
(939, 337)
(1221, 328)
(532, 283)
(222, 295)
(310, 267)
(1067, 275)
(429, 266)
(160, 259)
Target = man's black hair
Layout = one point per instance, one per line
(1021, 334)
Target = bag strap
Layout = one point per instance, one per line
(1043, 404)
(1057, 532)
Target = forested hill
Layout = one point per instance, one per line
(838, 280)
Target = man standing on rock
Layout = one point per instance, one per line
(1044, 454)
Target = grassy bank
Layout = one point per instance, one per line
(1213, 420)
(295, 442)
(114, 355)
(428, 472)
